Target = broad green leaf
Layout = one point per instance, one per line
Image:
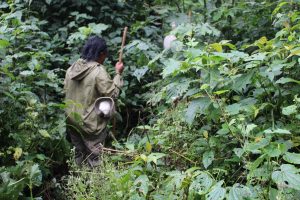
(135, 197)
(239, 192)
(35, 175)
(208, 158)
(201, 184)
(44, 133)
(289, 110)
(256, 57)
(278, 131)
(284, 80)
(217, 192)
(241, 81)
(272, 150)
(262, 40)
(281, 131)
(257, 162)
(139, 73)
(279, 6)
(143, 46)
(171, 66)
(238, 151)
(226, 43)
(129, 146)
(204, 86)
(98, 28)
(292, 158)
(221, 92)
(287, 177)
(176, 179)
(4, 43)
(294, 52)
(154, 157)
(148, 147)
(249, 128)
(85, 30)
(233, 109)
(18, 153)
(217, 47)
(142, 184)
(254, 146)
(27, 73)
(144, 157)
(198, 105)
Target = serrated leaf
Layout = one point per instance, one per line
(139, 73)
(233, 109)
(176, 179)
(208, 158)
(292, 158)
(85, 30)
(262, 40)
(201, 184)
(242, 81)
(238, 151)
(98, 28)
(217, 192)
(142, 184)
(154, 157)
(35, 175)
(143, 46)
(272, 150)
(287, 177)
(257, 56)
(198, 105)
(171, 66)
(239, 192)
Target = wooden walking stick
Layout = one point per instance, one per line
(123, 43)
(120, 60)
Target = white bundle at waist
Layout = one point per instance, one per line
(105, 107)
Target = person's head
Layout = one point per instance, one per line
(95, 49)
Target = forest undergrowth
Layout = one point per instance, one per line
(216, 116)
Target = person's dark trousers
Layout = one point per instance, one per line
(87, 147)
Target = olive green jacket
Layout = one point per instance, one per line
(84, 83)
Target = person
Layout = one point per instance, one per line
(86, 80)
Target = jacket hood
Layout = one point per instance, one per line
(81, 68)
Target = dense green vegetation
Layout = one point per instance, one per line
(214, 117)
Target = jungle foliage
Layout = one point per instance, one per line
(216, 116)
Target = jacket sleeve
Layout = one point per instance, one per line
(107, 87)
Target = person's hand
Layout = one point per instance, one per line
(119, 67)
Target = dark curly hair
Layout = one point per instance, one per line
(93, 47)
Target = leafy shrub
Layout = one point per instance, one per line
(32, 123)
